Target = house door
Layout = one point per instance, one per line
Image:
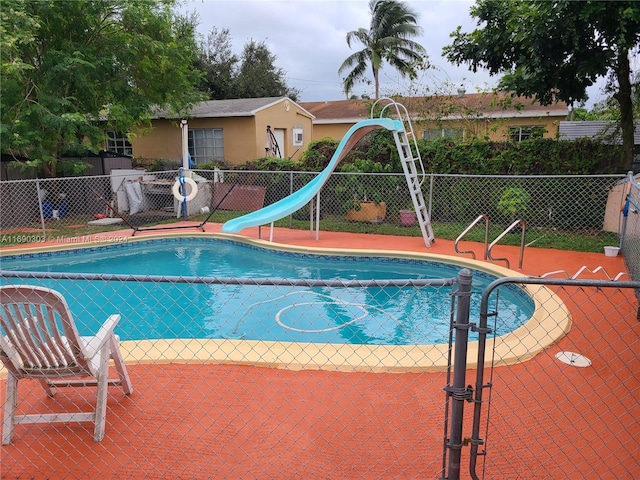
(278, 133)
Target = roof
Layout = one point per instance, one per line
(240, 107)
(595, 129)
(344, 111)
(482, 105)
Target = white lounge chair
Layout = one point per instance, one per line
(39, 340)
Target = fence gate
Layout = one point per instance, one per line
(572, 410)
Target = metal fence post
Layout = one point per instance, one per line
(40, 194)
(459, 393)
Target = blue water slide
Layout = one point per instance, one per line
(300, 198)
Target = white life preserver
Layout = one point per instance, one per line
(179, 195)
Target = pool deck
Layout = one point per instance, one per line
(274, 423)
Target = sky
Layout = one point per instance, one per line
(308, 39)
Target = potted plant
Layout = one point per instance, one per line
(367, 211)
(361, 195)
(407, 216)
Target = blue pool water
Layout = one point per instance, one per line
(150, 310)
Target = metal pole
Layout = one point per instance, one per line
(318, 215)
(290, 192)
(39, 193)
(459, 391)
(185, 144)
(431, 196)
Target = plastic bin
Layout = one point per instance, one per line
(47, 209)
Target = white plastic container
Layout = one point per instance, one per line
(611, 251)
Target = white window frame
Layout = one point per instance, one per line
(445, 132)
(297, 136)
(518, 133)
(119, 143)
(206, 144)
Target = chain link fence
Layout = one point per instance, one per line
(134, 199)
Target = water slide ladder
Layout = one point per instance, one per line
(410, 160)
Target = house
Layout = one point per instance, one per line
(495, 116)
(233, 131)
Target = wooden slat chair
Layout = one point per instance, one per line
(39, 340)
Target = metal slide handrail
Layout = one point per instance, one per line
(507, 230)
(406, 121)
(466, 230)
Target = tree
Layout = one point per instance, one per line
(387, 39)
(555, 50)
(258, 76)
(73, 70)
(219, 65)
(252, 75)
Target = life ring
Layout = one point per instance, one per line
(179, 195)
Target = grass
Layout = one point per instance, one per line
(543, 238)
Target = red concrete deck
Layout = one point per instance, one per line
(226, 421)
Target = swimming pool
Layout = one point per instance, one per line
(373, 316)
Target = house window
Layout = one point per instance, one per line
(298, 137)
(435, 133)
(206, 144)
(118, 143)
(518, 134)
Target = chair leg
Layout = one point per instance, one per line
(49, 388)
(11, 402)
(101, 402)
(121, 367)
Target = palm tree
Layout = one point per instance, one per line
(388, 39)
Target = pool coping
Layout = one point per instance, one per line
(550, 322)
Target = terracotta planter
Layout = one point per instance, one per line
(369, 212)
(407, 218)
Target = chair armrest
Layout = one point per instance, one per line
(94, 344)
(9, 355)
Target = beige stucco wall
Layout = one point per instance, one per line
(495, 129)
(551, 124)
(164, 140)
(331, 130)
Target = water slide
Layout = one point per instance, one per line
(300, 198)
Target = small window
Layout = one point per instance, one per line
(518, 134)
(298, 137)
(206, 145)
(435, 133)
(119, 143)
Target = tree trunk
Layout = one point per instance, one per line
(376, 83)
(623, 97)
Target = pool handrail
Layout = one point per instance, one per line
(523, 224)
(466, 230)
